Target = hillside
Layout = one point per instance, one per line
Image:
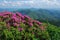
(15, 26)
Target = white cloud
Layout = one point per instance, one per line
(31, 3)
(46, 3)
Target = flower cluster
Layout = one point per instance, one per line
(20, 27)
(16, 18)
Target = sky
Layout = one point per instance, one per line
(29, 3)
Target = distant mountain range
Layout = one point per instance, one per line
(44, 15)
(51, 15)
(41, 13)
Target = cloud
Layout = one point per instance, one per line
(47, 4)
(14, 3)
(31, 3)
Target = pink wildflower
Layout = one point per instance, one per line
(30, 21)
(20, 29)
(7, 13)
(19, 14)
(15, 18)
(27, 16)
(22, 17)
(23, 21)
(1, 14)
(15, 24)
(14, 14)
(39, 23)
(30, 24)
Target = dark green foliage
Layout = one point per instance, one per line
(30, 33)
(54, 32)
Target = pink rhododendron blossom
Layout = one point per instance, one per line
(39, 23)
(30, 24)
(30, 21)
(27, 16)
(7, 13)
(1, 14)
(22, 17)
(18, 14)
(14, 15)
(23, 21)
(20, 29)
(15, 24)
(16, 18)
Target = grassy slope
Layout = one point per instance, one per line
(54, 31)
